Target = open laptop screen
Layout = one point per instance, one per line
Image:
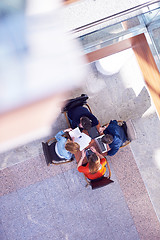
(102, 146)
(93, 132)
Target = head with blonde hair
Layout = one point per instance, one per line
(72, 147)
(94, 163)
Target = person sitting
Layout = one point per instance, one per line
(114, 136)
(81, 117)
(65, 146)
(95, 168)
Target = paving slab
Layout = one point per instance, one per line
(62, 202)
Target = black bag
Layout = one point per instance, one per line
(74, 102)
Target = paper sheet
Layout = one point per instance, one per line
(81, 138)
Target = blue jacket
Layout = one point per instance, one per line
(76, 113)
(61, 141)
(118, 134)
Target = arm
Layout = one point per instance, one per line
(104, 128)
(97, 153)
(108, 147)
(81, 159)
(101, 129)
(93, 119)
(67, 130)
(113, 151)
(60, 133)
(114, 147)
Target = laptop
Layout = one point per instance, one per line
(93, 132)
(102, 146)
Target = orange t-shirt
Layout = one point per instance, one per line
(100, 173)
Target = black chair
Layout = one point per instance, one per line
(50, 154)
(74, 102)
(100, 182)
(128, 129)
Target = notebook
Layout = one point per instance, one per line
(102, 146)
(93, 132)
(81, 138)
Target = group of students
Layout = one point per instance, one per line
(114, 137)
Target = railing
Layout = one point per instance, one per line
(118, 27)
(116, 15)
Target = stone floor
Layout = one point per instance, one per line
(39, 202)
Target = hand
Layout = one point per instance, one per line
(73, 138)
(101, 129)
(108, 148)
(68, 130)
(93, 149)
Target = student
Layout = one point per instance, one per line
(95, 167)
(114, 136)
(81, 117)
(65, 147)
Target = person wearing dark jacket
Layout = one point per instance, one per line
(81, 117)
(114, 137)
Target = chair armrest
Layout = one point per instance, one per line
(86, 104)
(67, 120)
(120, 122)
(52, 140)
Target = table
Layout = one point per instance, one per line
(79, 153)
(92, 143)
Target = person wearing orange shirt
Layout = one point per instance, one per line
(95, 167)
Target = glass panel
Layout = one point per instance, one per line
(153, 14)
(111, 34)
(146, 21)
(156, 38)
(101, 35)
(130, 23)
(152, 21)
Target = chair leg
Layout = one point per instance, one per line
(88, 107)
(126, 143)
(87, 185)
(88, 182)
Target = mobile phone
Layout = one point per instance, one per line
(88, 152)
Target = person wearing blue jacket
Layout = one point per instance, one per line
(81, 117)
(65, 147)
(114, 137)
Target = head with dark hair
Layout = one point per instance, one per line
(86, 123)
(66, 135)
(108, 139)
(94, 163)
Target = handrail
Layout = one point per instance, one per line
(130, 10)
